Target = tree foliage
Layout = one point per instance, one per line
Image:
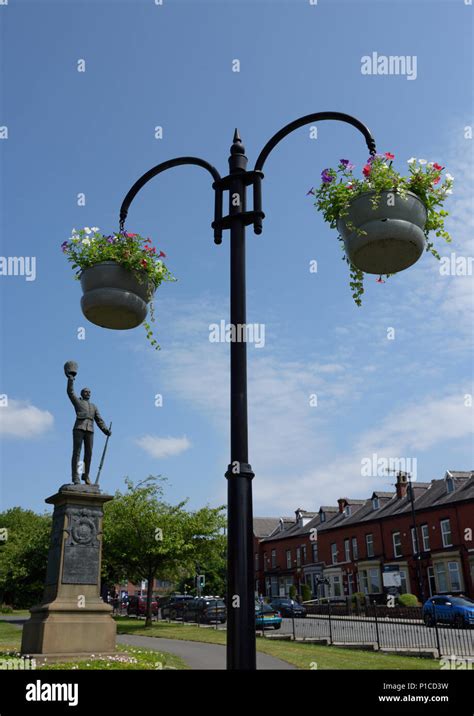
(146, 537)
(23, 556)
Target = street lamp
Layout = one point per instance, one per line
(415, 531)
(241, 646)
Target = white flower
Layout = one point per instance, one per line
(448, 191)
(449, 176)
(430, 164)
(86, 242)
(95, 228)
(87, 230)
(74, 231)
(422, 161)
(412, 160)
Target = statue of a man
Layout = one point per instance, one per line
(83, 430)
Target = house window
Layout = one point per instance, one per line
(322, 517)
(446, 533)
(449, 485)
(454, 576)
(315, 551)
(355, 549)
(403, 582)
(256, 560)
(288, 558)
(431, 581)
(374, 580)
(350, 583)
(303, 553)
(298, 556)
(265, 560)
(347, 510)
(363, 581)
(425, 536)
(336, 581)
(413, 540)
(274, 558)
(347, 550)
(334, 553)
(441, 577)
(369, 543)
(375, 503)
(397, 544)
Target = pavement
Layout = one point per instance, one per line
(196, 654)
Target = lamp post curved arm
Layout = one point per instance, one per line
(241, 648)
(309, 119)
(145, 178)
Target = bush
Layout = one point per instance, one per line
(358, 598)
(306, 593)
(292, 592)
(408, 600)
(6, 610)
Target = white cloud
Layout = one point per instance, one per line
(21, 420)
(163, 447)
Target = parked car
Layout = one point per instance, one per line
(288, 607)
(137, 605)
(448, 609)
(205, 610)
(266, 616)
(173, 607)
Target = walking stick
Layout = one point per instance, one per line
(103, 456)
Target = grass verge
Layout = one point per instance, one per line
(131, 657)
(301, 655)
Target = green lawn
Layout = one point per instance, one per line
(130, 657)
(304, 656)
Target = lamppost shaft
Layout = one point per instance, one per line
(241, 648)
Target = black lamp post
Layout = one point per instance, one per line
(241, 648)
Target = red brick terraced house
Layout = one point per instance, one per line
(348, 547)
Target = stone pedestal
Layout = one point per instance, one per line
(72, 620)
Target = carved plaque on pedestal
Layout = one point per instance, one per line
(82, 546)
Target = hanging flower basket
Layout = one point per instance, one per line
(386, 238)
(384, 220)
(114, 297)
(119, 275)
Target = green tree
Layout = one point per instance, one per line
(24, 545)
(145, 536)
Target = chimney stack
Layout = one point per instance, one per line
(401, 485)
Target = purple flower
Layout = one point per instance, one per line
(374, 156)
(326, 176)
(347, 164)
(64, 246)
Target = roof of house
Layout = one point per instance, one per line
(265, 526)
(426, 495)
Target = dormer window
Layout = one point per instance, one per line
(449, 485)
(375, 503)
(347, 510)
(322, 516)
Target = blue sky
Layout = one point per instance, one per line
(170, 65)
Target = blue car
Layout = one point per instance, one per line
(446, 609)
(266, 616)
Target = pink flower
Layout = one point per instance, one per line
(389, 156)
(379, 280)
(438, 167)
(162, 253)
(366, 170)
